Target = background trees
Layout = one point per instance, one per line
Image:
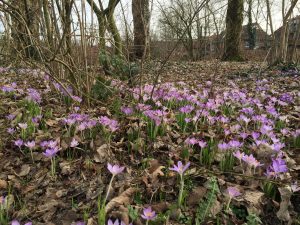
(74, 37)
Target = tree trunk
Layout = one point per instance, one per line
(234, 21)
(283, 44)
(251, 31)
(141, 17)
(25, 31)
(67, 9)
(113, 27)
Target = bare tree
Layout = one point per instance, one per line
(283, 43)
(141, 22)
(234, 21)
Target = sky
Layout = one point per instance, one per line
(123, 13)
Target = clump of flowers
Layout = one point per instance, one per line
(111, 124)
(51, 150)
(23, 127)
(155, 122)
(182, 117)
(277, 167)
(30, 145)
(180, 169)
(110, 222)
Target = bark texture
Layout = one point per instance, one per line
(141, 17)
(234, 21)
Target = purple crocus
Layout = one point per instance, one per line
(115, 169)
(202, 144)
(235, 144)
(239, 155)
(78, 223)
(74, 143)
(16, 222)
(223, 146)
(148, 214)
(10, 116)
(110, 222)
(51, 152)
(30, 144)
(233, 192)
(251, 161)
(180, 168)
(11, 130)
(278, 166)
(77, 98)
(18, 143)
(127, 110)
(23, 125)
(191, 141)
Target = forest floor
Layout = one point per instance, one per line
(237, 126)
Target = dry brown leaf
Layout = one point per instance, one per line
(102, 154)
(123, 199)
(254, 200)
(3, 184)
(196, 195)
(25, 169)
(283, 213)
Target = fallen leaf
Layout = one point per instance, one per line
(283, 213)
(3, 184)
(25, 169)
(123, 199)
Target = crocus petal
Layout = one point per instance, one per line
(15, 222)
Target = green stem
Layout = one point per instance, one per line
(228, 204)
(181, 190)
(108, 190)
(31, 153)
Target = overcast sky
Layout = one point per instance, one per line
(123, 12)
(260, 10)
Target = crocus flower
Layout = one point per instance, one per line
(127, 110)
(110, 222)
(115, 169)
(278, 166)
(234, 144)
(191, 141)
(277, 146)
(255, 135)
(74, 143)
(18, 143)
(76, 98)
(10, 116)
(148, 214)
(16, 222)
(233, 192)
(23, 125)
(251, 161)
(51, 152)
(239, 155)
(78, 223)
(180, 168)
(11, 130)
(223, 146)
(202, 144)
(30, 144)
